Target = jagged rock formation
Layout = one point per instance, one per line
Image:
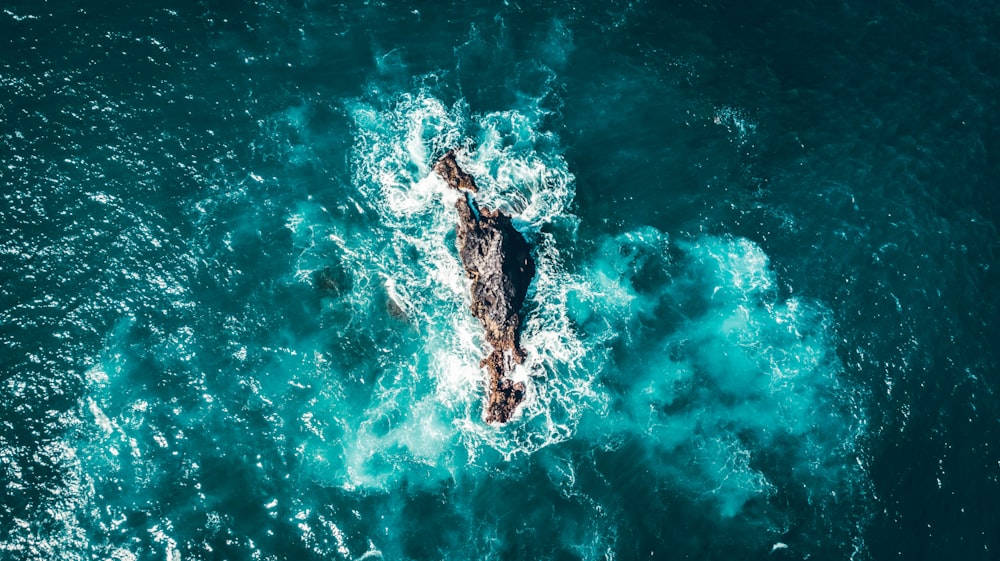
(498, 260)
(449, 170)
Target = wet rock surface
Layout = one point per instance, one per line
(456, 177)
(497, 259)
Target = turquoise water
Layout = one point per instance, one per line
(235, 325)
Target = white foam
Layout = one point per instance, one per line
(720, 368)
(120, 554)
(100, 418)
(420, 411)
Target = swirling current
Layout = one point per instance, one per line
(235, 325)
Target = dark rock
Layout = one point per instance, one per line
(330, 281)
(503, 394)
(447, 167)
(498, 260)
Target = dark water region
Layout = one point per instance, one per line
(235, 325)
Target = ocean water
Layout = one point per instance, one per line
(235, 326)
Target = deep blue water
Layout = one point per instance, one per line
(235, 326)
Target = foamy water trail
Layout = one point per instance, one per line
(734, 392)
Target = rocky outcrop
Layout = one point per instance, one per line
(456, 177)
(497, 259)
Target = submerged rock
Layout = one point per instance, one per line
(497, 259)
(331, 281)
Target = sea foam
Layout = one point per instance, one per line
(734, 392)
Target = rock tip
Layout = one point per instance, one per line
(456, 178)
